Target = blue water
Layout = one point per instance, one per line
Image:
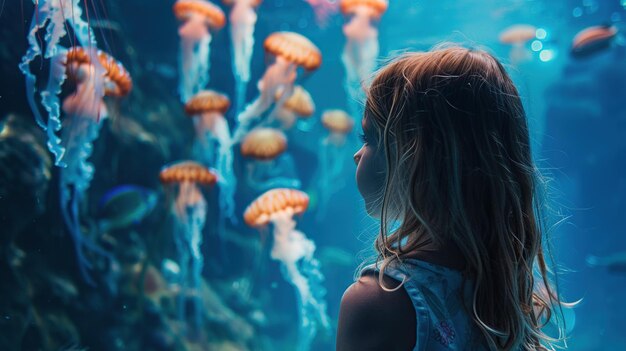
(577, 118)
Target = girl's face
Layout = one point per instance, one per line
(370, 170)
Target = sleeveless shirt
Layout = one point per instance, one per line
(440, 296)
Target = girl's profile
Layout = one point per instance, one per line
(446, 167)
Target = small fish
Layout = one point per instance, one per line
(162, 69)
(125, 205)
(105, 24)
(613, 263)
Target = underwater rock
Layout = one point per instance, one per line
(24, 175)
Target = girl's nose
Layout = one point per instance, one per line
(357, 157)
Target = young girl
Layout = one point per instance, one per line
(446, 166)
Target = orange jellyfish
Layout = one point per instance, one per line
(299, 104)
(242, 21)
(269, 166)
(291, 50)
(96, 75)
(198, 18)
(213, 146)
(295, 252)
(592, 39)
(361, 49)
(517, 36)
(190, 210)
(334, 155)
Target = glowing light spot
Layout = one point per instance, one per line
(546, 55)
(577, 12)
(536, 45)
(541, 33)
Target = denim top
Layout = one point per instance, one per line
(438, 295)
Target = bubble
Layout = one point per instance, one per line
(541, 33)
(546, 55)
(302, 23)
(616, 16)
(577, 12)
(536, 45)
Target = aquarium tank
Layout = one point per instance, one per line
(179, 175)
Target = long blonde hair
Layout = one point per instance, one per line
(455, 139)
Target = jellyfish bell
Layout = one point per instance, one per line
(339, 124)
(198, 18)
(291, 50)
(295, 252)
(207, 108)
(517, 36)
(592, 40)
(83, 69)
(187, 175)
(268, 166)
(299, 104)
(190, 210)
(264, 144)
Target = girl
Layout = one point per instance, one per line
(446, 166)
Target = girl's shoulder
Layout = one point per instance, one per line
(373, 318)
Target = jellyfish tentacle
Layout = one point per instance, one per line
(295, 251)
(34, 50)
(280, 76)
(51, 103)
(243, 19)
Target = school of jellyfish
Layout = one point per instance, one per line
(295, 252)
(68, 103)
(212, 146)
(189, 209)
(290, 51)
(361, 48)
(198, 18)
(268, 165)
(334, 151)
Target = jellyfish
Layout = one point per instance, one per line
(295, 253)
(198, 18)
(96, 75)
(242, 21)
(190, 210)
(592, 39)
(291, 50)
(323, 10)
(51, 16)
(334, 154)
(299, 104)
(269, 167)
(207, 108)
(517, 36)
(361, 49)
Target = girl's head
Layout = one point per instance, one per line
(446, 158)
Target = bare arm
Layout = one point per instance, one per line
(373, 319)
